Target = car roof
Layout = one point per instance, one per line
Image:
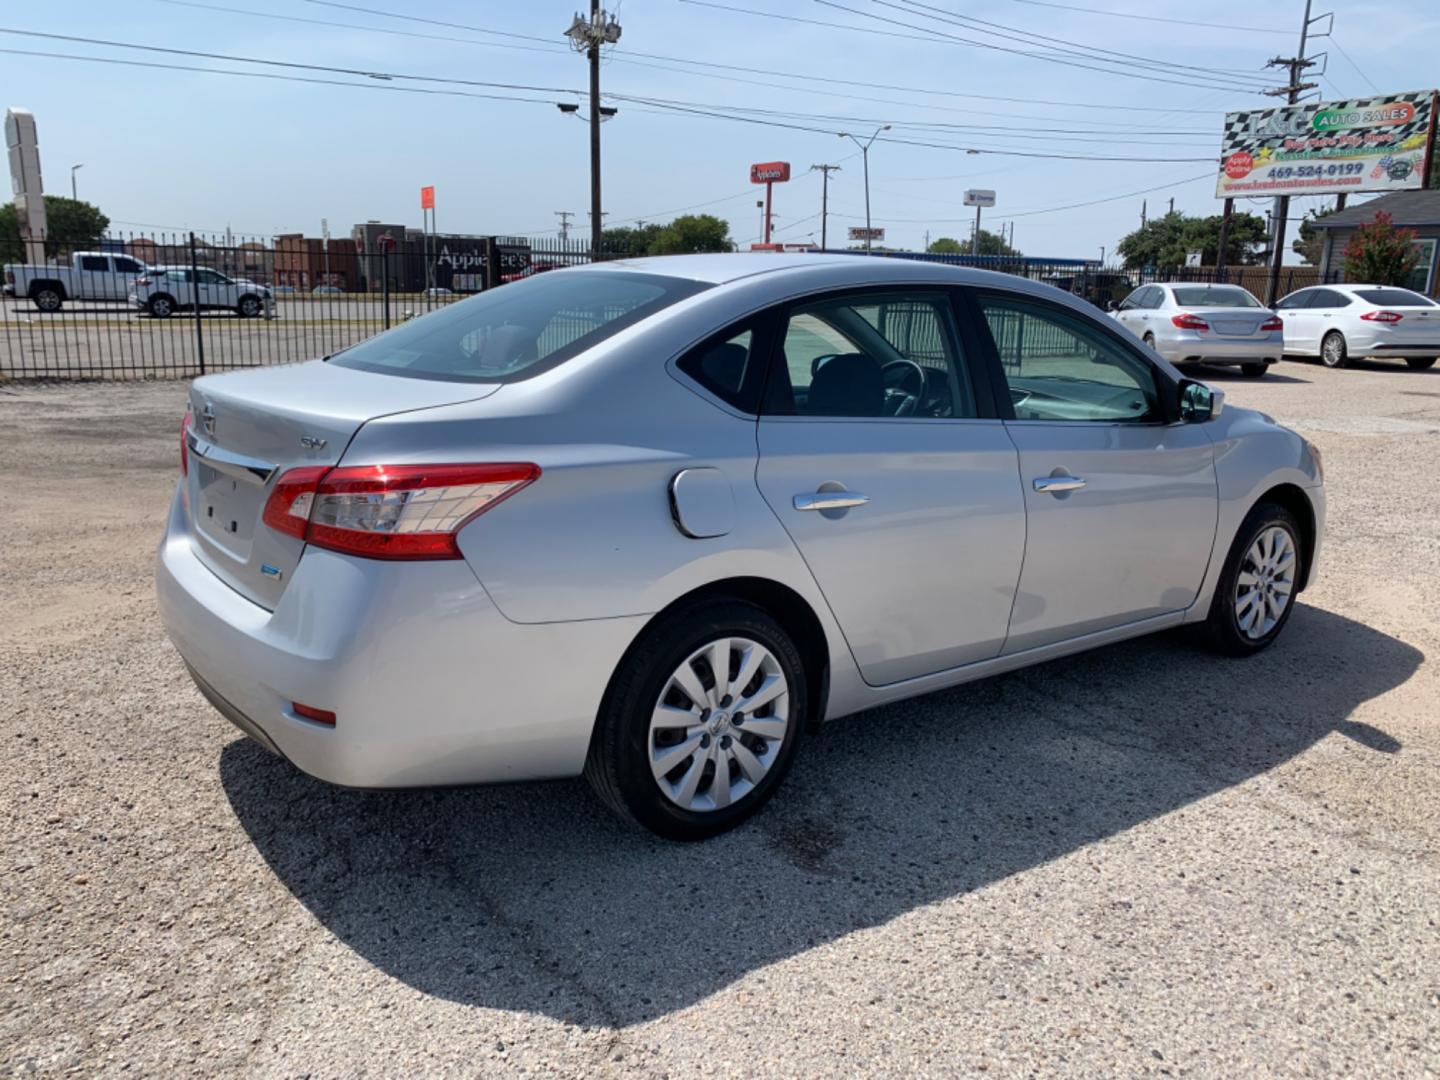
(726, 267)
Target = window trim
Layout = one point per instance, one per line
(965, 341)
(1166, 386)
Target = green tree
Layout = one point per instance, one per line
(1165, 241)
(692, 233)
(625, 240)
(71, 225)
(1310, 244)
(990, 244)
(1381, 254)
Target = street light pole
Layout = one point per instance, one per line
(865, 153)
(73, 190)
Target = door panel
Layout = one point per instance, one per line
(1133, 542)
(920, 577)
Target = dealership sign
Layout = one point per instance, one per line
(1361, 144)
(860, 232)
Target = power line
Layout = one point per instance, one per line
(433, 22)
(1350, 60)
(1129, 15)
(955, 38)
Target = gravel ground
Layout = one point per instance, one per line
(1141, 861)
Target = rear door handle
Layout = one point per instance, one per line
(1054, 485)
(830, 500)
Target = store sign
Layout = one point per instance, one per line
(1327, 147)
(770, 172)
(427, 198)
(859, 232)
(979, 197)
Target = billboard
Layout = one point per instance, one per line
(1326, 147)
(980, 197)
(770, 172)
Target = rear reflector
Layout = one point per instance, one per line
(320, 716)
(390, 511)
(1273, 323)
(1382, 316)
(1186, 321)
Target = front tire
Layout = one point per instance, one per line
(1256, 591)
(248, 308)
(701, 721)
(160, 307)
(1333, 351)
(1254, 371)
(1419, 363)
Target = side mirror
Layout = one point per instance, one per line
(1199, 403)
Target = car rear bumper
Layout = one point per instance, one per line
(429, 682)
(1189, 346)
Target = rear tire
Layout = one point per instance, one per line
(1254, 371)
(648, 719)
(48, 298)
(1420, 363)
(1333, 351)
(160, 307)
(248, 307)
(1247, 613)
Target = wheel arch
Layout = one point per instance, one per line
(782, 603)
(48, 283)
(1293, 498)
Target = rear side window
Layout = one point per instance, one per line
(518, 330)
(1212, 296)
(1394, 298)
(727, 366)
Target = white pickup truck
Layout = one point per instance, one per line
(91, 275)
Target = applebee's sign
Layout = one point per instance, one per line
(770, 172)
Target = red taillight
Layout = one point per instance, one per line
(1273, 323)
(309, 712)
(1186, 321)
(390, 511)
(184, 445)
(1382, 316)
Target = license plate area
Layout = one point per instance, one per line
(225, 510)
(1231, 328)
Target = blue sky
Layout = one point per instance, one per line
(185, 149)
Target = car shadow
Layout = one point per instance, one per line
(1221, 373)
(534, 898)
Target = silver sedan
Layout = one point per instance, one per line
(1205, 324)
(656, 521)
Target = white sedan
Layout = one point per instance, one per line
(1337, 322)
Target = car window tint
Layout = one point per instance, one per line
(1060, 367)
(1393, 298)
(1213, 296)
(520, 329)
(1294, 300)
(1328, 298)
(891, 355)
(722, 364)
(94, 262)
(128, 266)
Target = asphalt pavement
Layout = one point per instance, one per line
(1142, 861)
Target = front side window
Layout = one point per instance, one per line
(520, 329)
(890, 355)
(127, 266)
(94, 262)
(1294, 300)
(1060, 367)
(1135, 300)
(1213, 296)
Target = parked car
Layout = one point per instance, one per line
(1101, 287)
(438, 291)
(327, 290)
(1205, 324)
(655, 521)
(91, 275)
(1337, 322)
(165, 290)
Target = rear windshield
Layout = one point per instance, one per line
(1394, 298)
(1212, 296)
(518, 330)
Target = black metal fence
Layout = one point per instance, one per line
(166, 306)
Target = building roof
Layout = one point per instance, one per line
(1406, 207)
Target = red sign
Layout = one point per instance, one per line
(1239, 165)
(427, 198)
(770, 172)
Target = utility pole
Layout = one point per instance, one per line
(825, 171)
(564, 216)
(1172, 205)
(587, 36)
(865, 153)
(1296, 66)
(1142, 213)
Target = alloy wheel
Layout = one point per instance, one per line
(1265, 582)
(1332, 350)
(719, 724)
(47, 300)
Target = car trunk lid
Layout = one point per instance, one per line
(248, 428)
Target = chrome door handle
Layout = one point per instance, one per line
(1054, 485)
(830, 500)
